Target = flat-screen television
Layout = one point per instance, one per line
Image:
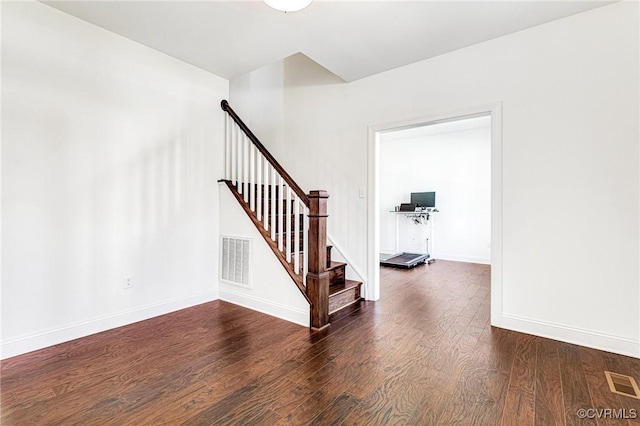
(424, 199)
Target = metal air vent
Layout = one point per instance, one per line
(236, 255)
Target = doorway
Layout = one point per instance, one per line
(491, 114)
(435, 192)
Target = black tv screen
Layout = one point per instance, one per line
(424, 199)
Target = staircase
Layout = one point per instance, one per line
(343, 293)
(292, 223)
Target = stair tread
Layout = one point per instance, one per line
(345, 286)
(335, 265)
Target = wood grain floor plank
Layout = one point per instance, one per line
(575, 388)
(401, 391)
(392, 403)
(310, 408)
(335, 413)
(520, 402)
(34, 366)
(549, 405)
(422, 355)
(219, 384)
(487, 375)
(349, 368)
(266, 418)
(108, 372)
(594, 366)
(451, 380)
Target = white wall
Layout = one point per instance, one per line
(259, 100)
(454, 160)
(110, 156)
(570, 129)
(272, 290)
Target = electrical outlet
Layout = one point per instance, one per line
(127, 282)
(361, 192)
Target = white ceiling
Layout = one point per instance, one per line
(353, 39)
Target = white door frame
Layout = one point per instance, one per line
(493, 109)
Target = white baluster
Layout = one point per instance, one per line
(305, 246)
(226, 146)
(234, 154)
(240, 162)
(265, 210)
(258, 184)
(252, 177)
(274, 212)
(280, 211)
(245, 167)
(287, 219)
(296, 240)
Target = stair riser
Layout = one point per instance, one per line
(336, 276)
(344, 299)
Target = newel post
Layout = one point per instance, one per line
(318, 276)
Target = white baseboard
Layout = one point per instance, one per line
(388, 250)
(268, 307)
(22, 345)
(447, 256)
(457, 258)
(578, 336)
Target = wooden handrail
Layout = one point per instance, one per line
(314, 285)
(281, 171)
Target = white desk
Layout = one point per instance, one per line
(419, 217)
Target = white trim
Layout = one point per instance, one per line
(496, 215)
(448, 256)
(349, 263)
(286, 313)
(575, 335)
(461, 258)
(373, 212)
(21, 345)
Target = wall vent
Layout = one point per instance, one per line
(236, 255)
(622, 385)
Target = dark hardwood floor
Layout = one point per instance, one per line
(423, 355)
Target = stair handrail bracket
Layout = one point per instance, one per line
(293, 224)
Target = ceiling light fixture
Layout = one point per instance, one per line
(288, 5)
